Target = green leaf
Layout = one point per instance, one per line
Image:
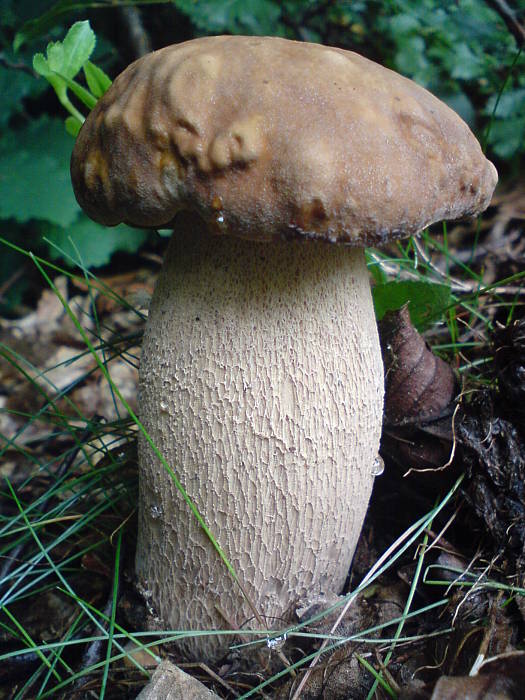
(35, 28)
(510, 104)
(235, 16)
(67, 57)
(15, 85)
(39, 26)
(90, 243)
(426, 301)
(64, 60)
(98, 82)
(461, 104)
(467, 65)
(507, 136)
(404, 24)
(411, 57)
(34, 173)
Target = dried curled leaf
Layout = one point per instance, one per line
(500, 678)
(418, 385)
(419, 401)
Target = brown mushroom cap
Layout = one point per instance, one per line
(265, 137)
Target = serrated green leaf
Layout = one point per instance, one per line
(89, 243)
(78, 46)
(55, 57)
(40, 65)
(67, 57)
(64, 60)
(426, 301)
(34, 174)
(98, 82)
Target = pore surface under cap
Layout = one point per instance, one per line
(266, 137)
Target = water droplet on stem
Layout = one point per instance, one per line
(156, 511)
(378, 467)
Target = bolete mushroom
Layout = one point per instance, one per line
(261, 375)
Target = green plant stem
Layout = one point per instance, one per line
(406, 610)
(379, 680)
(111, 630)
(70, 275)
(31, 644)
(57, 571)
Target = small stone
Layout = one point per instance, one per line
(170, 683)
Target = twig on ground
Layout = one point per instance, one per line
(508, 15)
(10, 281)
(95, 650)
(6, 63)
(93, 653)
(137, 36)
(215, 676)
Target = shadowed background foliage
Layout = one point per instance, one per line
(465, 52)
(67, 443)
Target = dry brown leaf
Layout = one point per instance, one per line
(499, 678)
(419, 397)
(419, 386)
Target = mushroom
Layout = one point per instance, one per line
(275, 162)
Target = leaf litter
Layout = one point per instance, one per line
(439, 423)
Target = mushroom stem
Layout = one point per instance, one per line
(262, 385)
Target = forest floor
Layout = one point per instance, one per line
(440, 616)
